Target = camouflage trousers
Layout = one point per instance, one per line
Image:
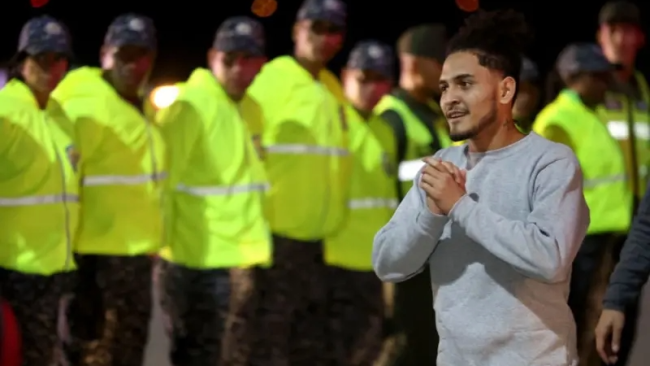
(196, 305)
(35, 300)
(309, 314)
(416, 338)
(108, 316)
(356, 315)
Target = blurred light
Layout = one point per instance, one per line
(164, 96)
(264, 8)
(38, 3)
(467, 5)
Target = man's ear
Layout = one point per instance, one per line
(106, 57)
(507, 89)
(212, 54)
(343, 73)
(294, 32)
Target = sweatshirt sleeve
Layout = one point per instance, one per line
(633, 269)
(402, 247)
(543, 244)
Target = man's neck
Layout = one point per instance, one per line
(625, 75)
(363, 113)
(41, 98)
(312, 67)
(234, 98)
(129, 95)
(582, 95)
(500, 135)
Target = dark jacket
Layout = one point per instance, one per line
(633, 269)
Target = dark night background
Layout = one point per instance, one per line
(186, 28)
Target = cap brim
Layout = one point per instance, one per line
(609, 67)
(251, 51)
(238, 44)
(323, 19)
(142, 44)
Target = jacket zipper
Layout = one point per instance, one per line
(327, 195)
(68, 235)
(155, 176)
(633, 153)
(152, 150)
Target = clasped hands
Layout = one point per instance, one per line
(443, 183)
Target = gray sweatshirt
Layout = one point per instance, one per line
(501, 260)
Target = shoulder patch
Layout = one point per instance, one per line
(387, 163)
(73, 156)
(613, 104)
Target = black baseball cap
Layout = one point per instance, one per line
(426, 40)
(582, 57)
(620, 11)
(240, 34)
(372, 56)
(132, 30)
(44, 34)
(332, 11)
(529, 70)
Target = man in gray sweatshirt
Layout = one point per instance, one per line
(497, 220)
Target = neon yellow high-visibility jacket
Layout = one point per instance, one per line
(628, 121)
(307, 160)
(216, 183)
(605, 187)
(418, 137)
(373, 192)
(39, 198)
(122, 167)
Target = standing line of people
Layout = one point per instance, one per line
(253, 198)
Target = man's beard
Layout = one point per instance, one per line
(485, 121)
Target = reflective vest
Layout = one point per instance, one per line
(373, 193)
(307, 160)
(216, 185)
(419, 138)
(122, 167)
(619, 113)
(39, 197)
(603, 165)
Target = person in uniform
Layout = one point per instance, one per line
(39, 198)
(307, 163)
(573, 121)
(420, 130)
(356, 299)
(122, 167)
(214, 201)
(626, 114)
(626, 109)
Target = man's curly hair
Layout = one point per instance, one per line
(498, 38)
